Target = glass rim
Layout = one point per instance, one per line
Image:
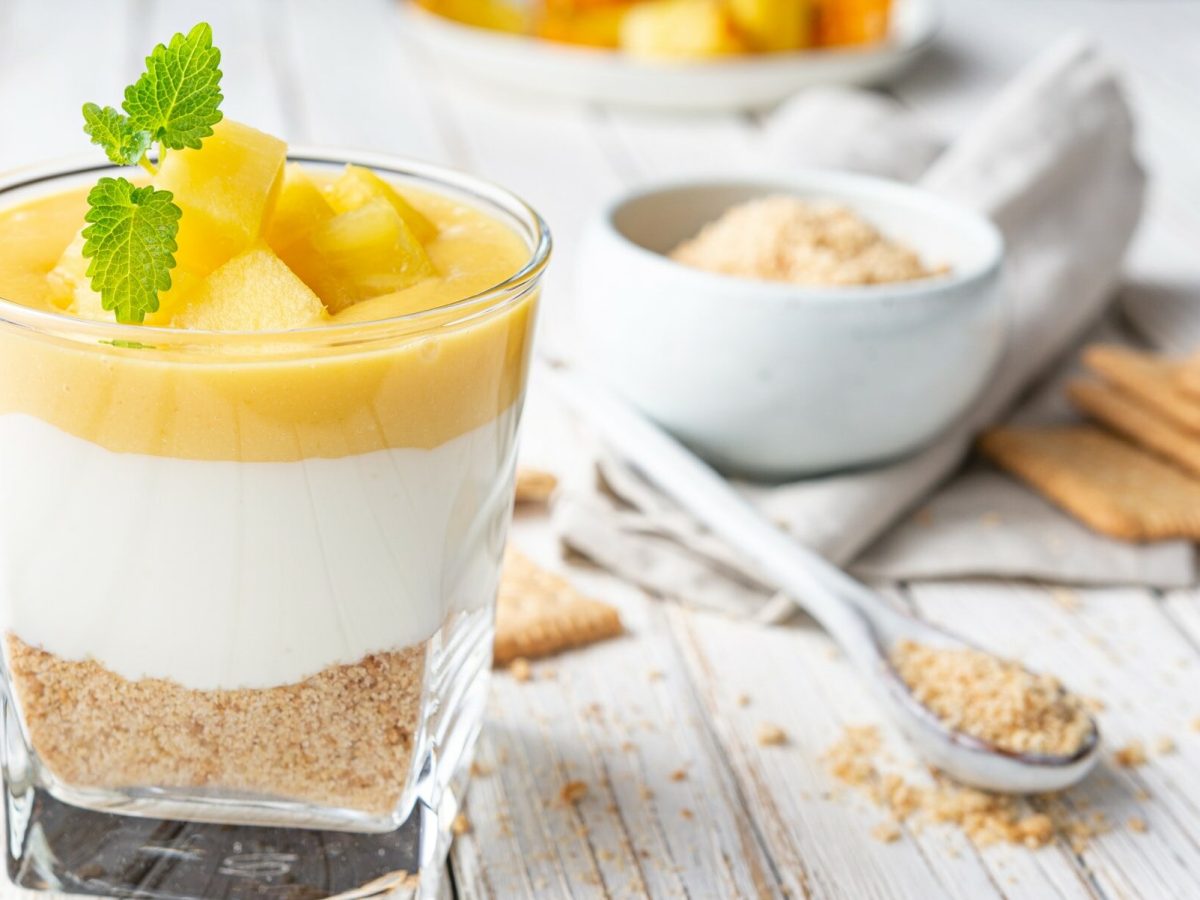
(517, 285)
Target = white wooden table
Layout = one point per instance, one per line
(743, 820)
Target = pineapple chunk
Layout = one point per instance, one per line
(361, 254)
(301, 207)
(358, 186)
(71, 290)
(679, 30)
(600, 27)
(226, 189)
(254, 291)
(773, 25)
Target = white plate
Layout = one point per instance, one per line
(606, 76)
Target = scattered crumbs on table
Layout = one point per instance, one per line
(991, 519)
(534, 486)
(886, 832)
(480, 770)
(461, 825)
(679, 775)
(687, 814)
(1165, 745)
(1066, 598)
(1138, 824)
(656, 675)
(1131, 755)
(1196, 724)
(1094, 704)
(520, 669)
(1141, 795)
(628, 746)
(923, 517)
(573, 792)
(744, 700)
(646, 792)
(770, 735)
(983, 817)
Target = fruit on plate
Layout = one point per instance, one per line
(360, 254)
(773, 25)
(851, 22)
(358, 186)
(227, 191)
(598, 27)
(495, 15)
(679, 30)
(254, 291)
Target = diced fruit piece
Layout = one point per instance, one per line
(679, 30)
(849, 22)
(301, 207)
(254, 291)
(600, 27)
(71, 290)
(773, 25)
(357, 187)
(226, 189)
(498, 15)
(361, 254)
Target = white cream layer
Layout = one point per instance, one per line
(243, 574)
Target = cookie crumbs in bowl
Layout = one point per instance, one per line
(782, 238)
(993, 699)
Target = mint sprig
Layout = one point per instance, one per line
(131, 244)
(131, 238)
(178, 96)
(122, 141)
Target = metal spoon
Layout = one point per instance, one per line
(863, 623)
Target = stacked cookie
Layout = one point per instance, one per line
(1137, 475)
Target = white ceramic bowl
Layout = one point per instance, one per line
(777, 380)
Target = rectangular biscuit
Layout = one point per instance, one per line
(1187, 376)
(1153, 380)
(1101, 480)
(1118, 411)
(539, 613)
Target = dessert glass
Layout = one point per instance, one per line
(247, 582)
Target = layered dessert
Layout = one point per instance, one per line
(249, 545)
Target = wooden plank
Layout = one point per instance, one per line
(386, 106)
(1117, 645)
(42, 81)
(622, 718)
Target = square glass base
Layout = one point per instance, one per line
(56, 847)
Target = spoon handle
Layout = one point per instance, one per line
(846, 609)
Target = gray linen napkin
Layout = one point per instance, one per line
(1052, 162)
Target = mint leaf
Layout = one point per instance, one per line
(131, 244)
(124, 144)
(176, 98)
